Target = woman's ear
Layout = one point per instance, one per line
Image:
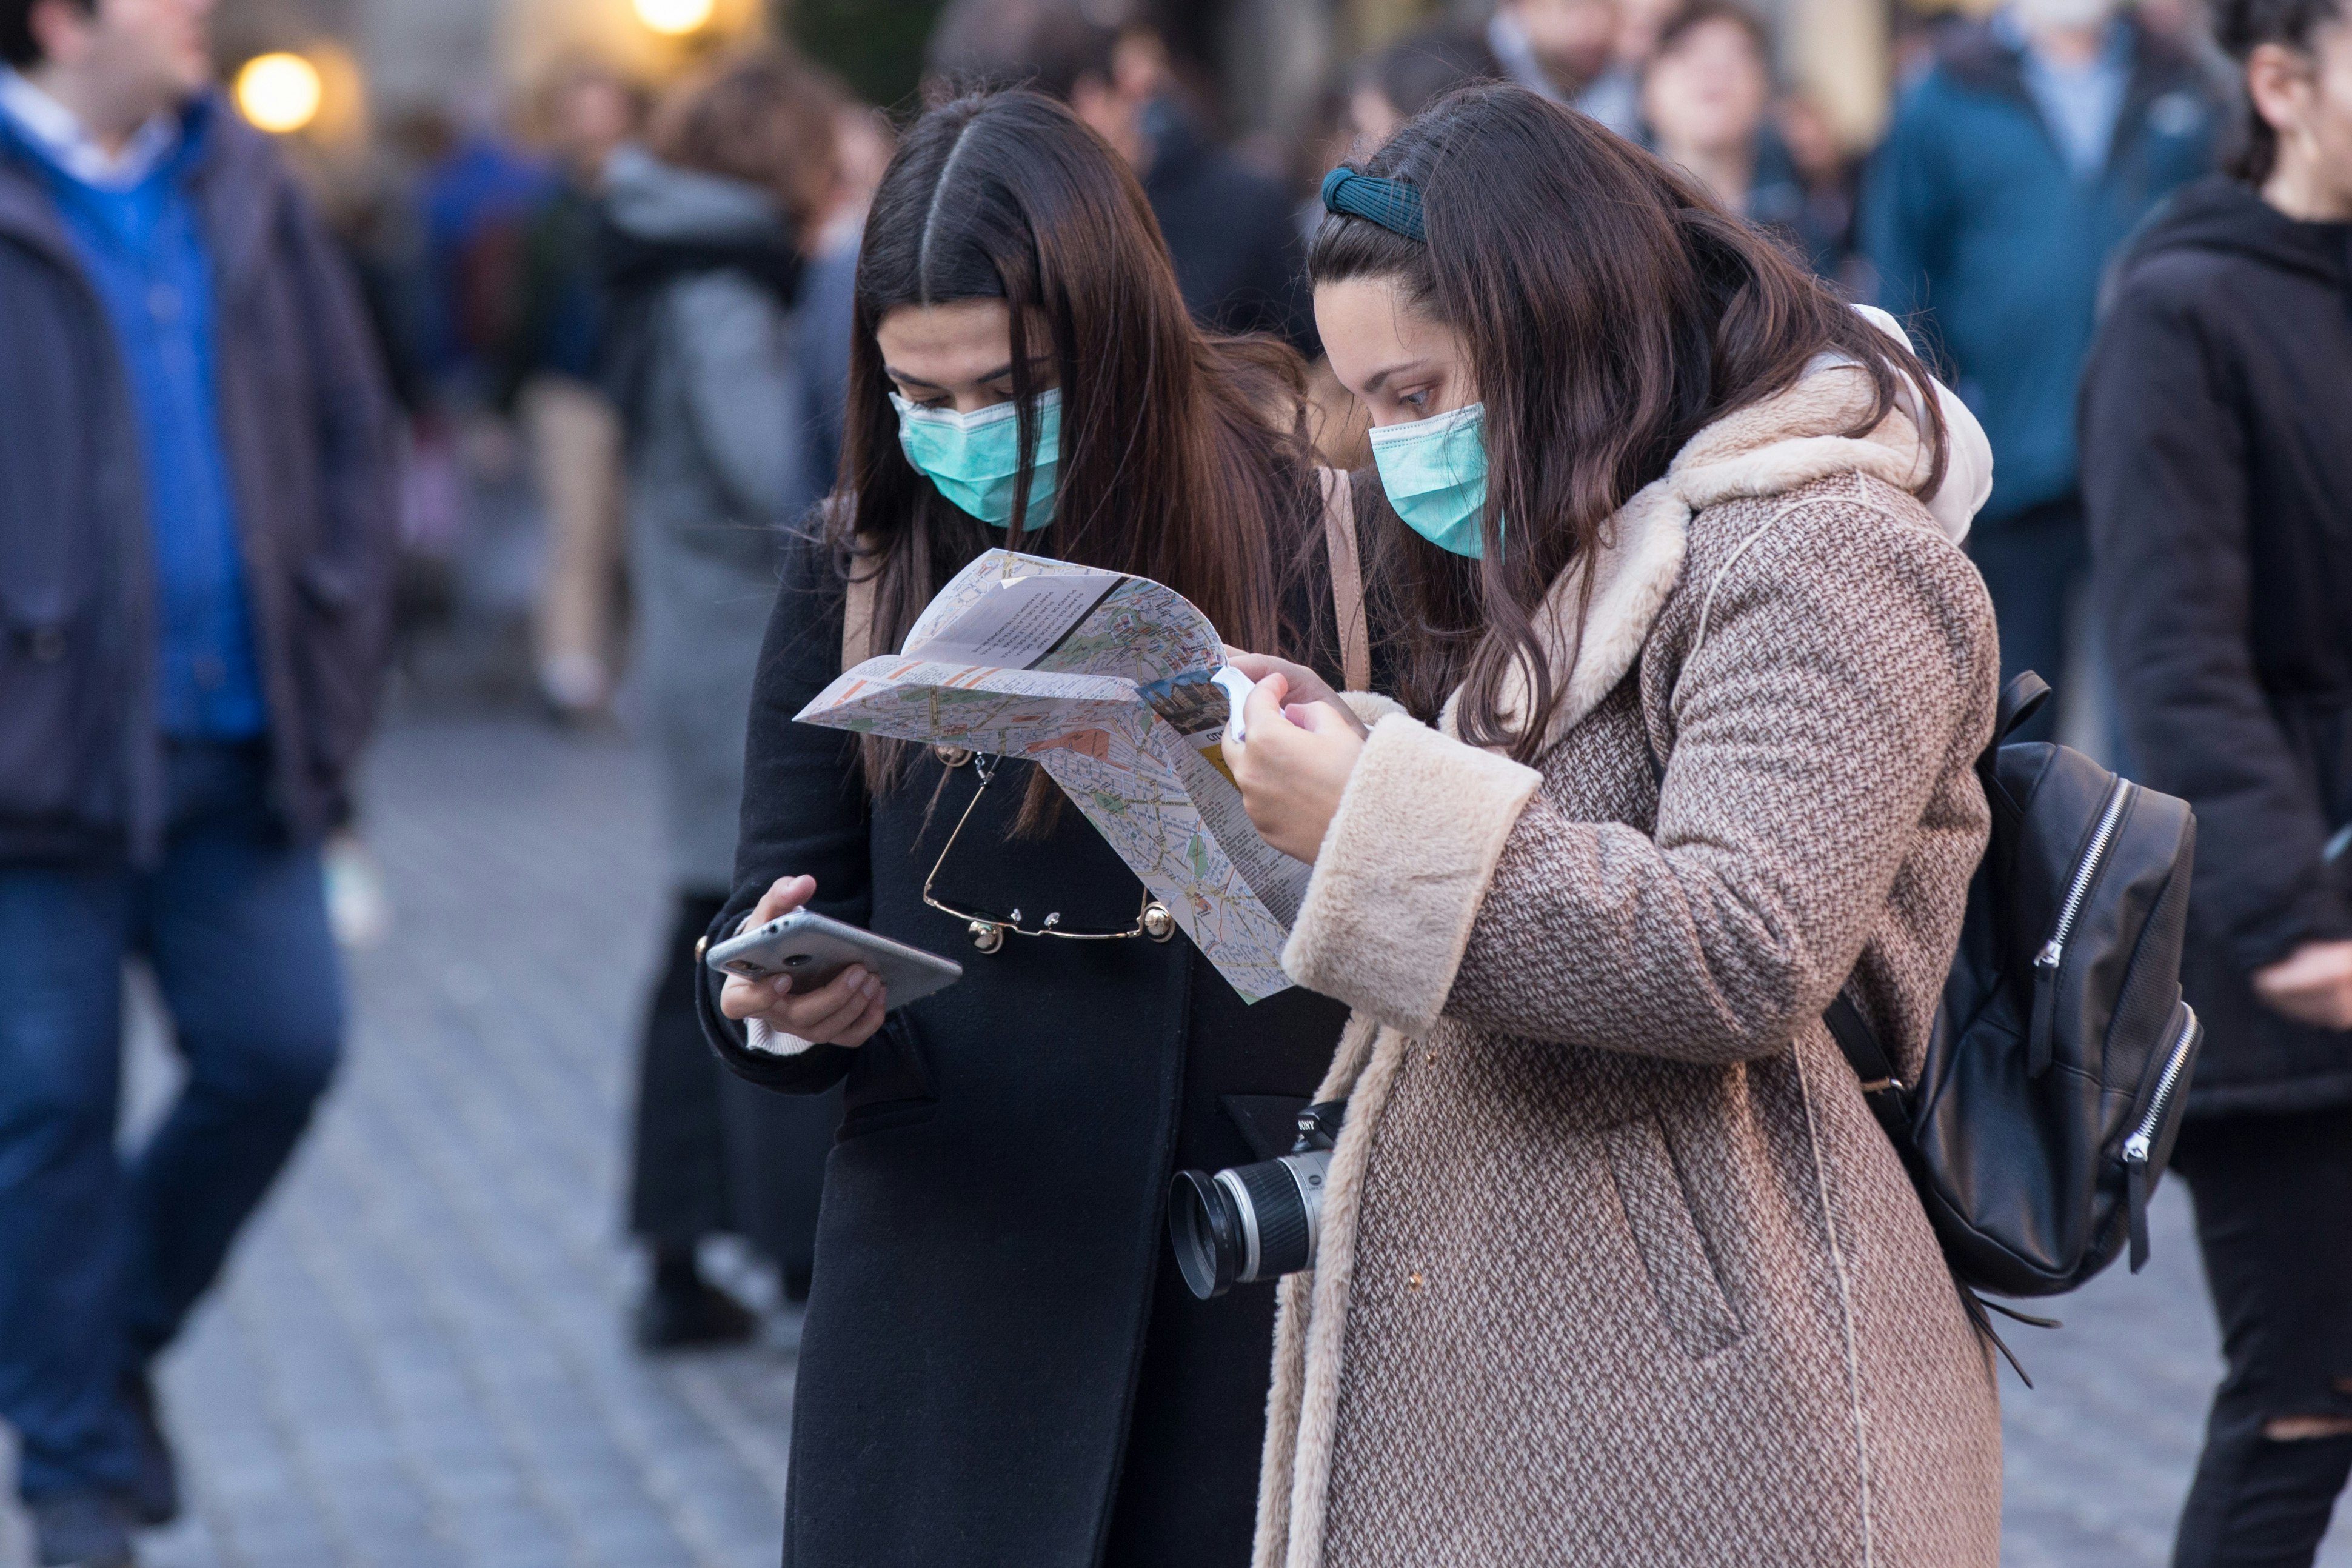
(2282, 84)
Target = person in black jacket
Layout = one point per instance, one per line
(1000, 1364)
(2217, 439)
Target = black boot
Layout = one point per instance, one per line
(682, 1309)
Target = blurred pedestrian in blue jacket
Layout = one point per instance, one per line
(196, 532)
(2031, 147)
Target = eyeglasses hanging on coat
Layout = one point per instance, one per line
(988, 928)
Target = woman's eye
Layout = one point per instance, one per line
(1416, 401)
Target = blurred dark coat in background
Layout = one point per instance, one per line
(2217, 462)
(1230, 229)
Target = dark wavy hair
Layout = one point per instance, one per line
(1185, 458)
(2241, 26)
(1610, 309)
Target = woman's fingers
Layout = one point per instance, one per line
(1266, 701)
(785, 895)
(1322, 718)
(832, 1009)
(1304, 686)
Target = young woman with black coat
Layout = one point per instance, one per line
(2217, 447)
(1000, 1366)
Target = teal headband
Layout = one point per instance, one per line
(1391, 204)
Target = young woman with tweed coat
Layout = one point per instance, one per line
(1615, 1267)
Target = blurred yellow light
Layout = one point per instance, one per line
(280, 92)
(674, 17)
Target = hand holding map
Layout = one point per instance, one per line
(1109, 683)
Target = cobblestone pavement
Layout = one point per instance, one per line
(418, 1359)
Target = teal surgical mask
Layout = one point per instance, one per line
(1435, 471)
(975, 458)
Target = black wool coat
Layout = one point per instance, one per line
(1001, 1363)
(2217, 466)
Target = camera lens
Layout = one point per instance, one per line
(1206, 1226)
(1249, 1223)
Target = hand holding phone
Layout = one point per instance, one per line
(847, 1010)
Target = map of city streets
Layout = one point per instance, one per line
(1106, 681)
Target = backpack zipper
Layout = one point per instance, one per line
(2142, 1142)
(2053, 957)
(2143, 1139)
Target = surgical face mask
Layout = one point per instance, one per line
(1435, 471)
(975, 458)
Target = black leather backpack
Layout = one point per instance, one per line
(2060, 1060)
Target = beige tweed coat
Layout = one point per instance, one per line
(1616, 1267)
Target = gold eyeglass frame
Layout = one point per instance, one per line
(1152, 920)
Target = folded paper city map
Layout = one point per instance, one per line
(1107, 681)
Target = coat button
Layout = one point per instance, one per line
(986, 935)
(47, 644)
(951, 756)
(1158, 924)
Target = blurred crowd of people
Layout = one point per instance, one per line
(652, 295)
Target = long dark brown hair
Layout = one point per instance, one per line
(1610, 309)
(1184, 458)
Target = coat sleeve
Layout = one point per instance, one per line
(805, 803)
(352, 415)
(1847, 668)
(2165, 482)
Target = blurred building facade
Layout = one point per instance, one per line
(1266, 64)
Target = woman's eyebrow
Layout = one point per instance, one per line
(998, 374)
(1375, 382)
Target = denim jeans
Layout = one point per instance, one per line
(103, 1251)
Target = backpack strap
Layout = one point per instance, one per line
(1880, 1086)
(1347, 577)
(2020, 700)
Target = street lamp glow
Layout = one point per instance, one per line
(280, 93)
(674, 17)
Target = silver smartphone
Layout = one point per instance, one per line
(813, 949)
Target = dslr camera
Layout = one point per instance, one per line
(1255, 1222)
